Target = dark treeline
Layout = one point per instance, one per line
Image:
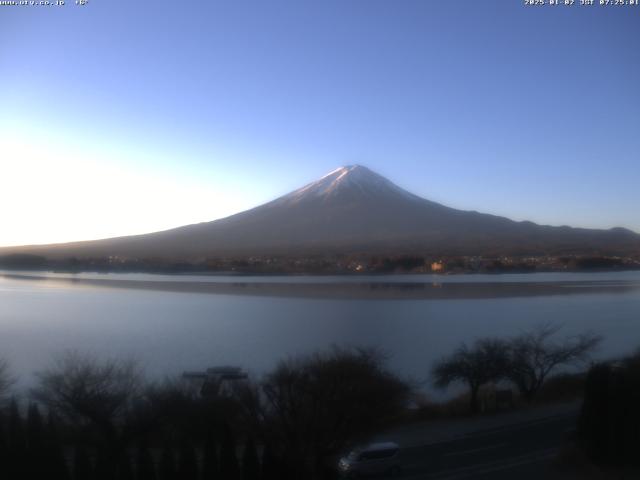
(99, 419)
(35, 448)
(99, 264)
(609, 424)
(324, 264)
(91, 419)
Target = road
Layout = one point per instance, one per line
(517, 451)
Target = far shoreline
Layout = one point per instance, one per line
(337, 273)
(428, 290)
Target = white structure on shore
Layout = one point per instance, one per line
(216, 380)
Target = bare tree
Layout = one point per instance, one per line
(485, 361)
(314, 406)
(534, 355)
(86, 390)
(6, 380)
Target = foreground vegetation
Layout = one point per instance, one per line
(100, 419)
(104, 422)
(526, 361)
(609, 425)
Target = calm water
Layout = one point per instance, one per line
(171, 332)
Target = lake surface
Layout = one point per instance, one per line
(170, 331)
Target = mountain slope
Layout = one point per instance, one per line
(349, 210)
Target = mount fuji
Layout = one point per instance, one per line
(352, 210)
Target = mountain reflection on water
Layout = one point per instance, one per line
(370, 288)
(173, 324)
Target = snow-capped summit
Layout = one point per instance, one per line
(348, 181)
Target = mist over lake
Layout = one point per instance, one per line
(171, 331)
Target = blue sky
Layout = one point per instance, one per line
(124, 117)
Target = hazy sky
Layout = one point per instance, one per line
(125, 116)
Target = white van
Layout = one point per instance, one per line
(372, 459)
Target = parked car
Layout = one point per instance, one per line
(372, 459)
